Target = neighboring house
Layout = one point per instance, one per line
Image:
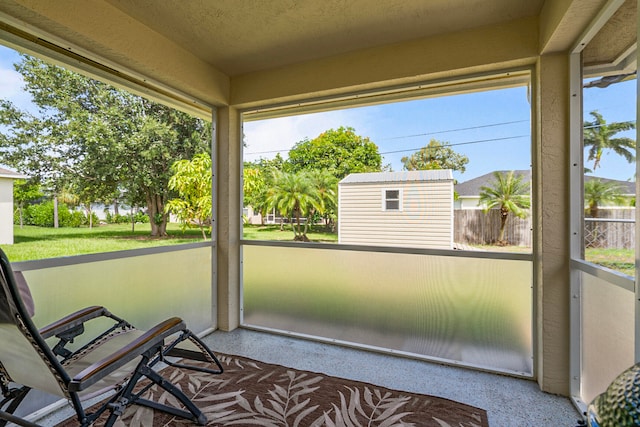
(627, 191)
(6, 205)
(468, 192)
(251, 216)
(410, 209)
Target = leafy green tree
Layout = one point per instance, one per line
(32, 145)
(293, 195)
(253, 188)
(598, 136)
(339, 151)
(25, 191)
(436, 155)
(99, 139)
(191, 179)
(257, 179)
(598, 192)
(509, 193)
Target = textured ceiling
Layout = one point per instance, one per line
(615, 38)
(249, 51)
(243, 36)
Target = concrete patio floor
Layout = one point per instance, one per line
(509, 402)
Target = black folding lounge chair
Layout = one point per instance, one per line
(114, 359)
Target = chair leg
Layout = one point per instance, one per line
(7, 417)
(194, 413)
(126, 397)
(14, 398)
(192, 355)
(120, 402)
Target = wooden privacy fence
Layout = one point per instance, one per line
(614, 228)
(474, 227)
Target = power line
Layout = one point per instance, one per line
(459, 143)
(605, 124)
(440, 132)
(413, 136)
(269, 152)
(453, 130)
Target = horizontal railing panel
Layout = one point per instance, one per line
(144, 288)
(607, 331)
(464, 309)
(605, 274)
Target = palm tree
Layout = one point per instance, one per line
(598, 135)
(508, 193)
(326, 186)
(293, 195)
(598, 192)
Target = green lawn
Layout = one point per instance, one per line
(622, 260)
(42, 242)
(272, 232)
(39, 242)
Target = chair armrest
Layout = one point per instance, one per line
(73, 320)
(148, 341)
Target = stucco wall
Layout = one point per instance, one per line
(551, 226)
(511, 45)
(467, 203)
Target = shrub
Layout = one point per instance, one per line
(75, 219)
(122, 219)
(41, 215)
(116, 218)
(96, 220)
(16, 216)
(141, 217)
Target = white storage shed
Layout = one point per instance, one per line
(410, 209)
(6, 205)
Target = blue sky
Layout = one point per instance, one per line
(10, 81)
(492, 128)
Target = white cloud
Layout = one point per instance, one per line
(265, 138)
(11, 85)
(11, 82)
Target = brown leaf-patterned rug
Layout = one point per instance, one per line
(251, 393)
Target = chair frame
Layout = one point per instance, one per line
(159, 344)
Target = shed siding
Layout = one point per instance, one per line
(425, 221)
(6, 211)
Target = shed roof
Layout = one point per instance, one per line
(6, 173)
(403, 176)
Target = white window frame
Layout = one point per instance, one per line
(385, 199)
